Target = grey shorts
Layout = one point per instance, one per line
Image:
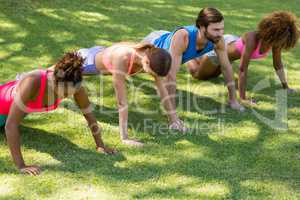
(89, 54)
(150, 38)
(212, 54)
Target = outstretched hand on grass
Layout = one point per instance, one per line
(106, 150)
(178, 125)
(32, 170)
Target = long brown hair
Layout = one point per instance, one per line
(160, 59)
(69, 68)
(279, 29)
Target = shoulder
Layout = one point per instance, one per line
(120, 49)
(181, 34)
(250, 39)
(32, 76)
(180, 39)
(30, 81)
(120, 53)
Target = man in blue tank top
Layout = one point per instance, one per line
(190, 42)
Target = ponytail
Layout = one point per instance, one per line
(143, 46)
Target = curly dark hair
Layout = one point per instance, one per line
(69, 68)
(279, 29)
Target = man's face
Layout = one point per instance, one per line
(214, 31)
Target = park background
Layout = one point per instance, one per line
(226, 155)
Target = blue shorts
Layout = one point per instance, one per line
(89, 54)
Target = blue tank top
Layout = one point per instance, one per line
(191, 52)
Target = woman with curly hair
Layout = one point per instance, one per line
(275, 32)
(42, 91)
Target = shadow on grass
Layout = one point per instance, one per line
(49, 28)
(228, 162)
(72, 158)
(145, 106)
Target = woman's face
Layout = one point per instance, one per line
(146, 66)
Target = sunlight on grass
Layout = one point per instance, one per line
(248, 133)
(211, 190)
(225, 155)
(61, 36)
(51, 13)
(103, 42)
(13, 47)
(90, 16)
(190, 150)
(80, 191)
(7, 185)
(281, 141)
(268, 189)
(5, 24)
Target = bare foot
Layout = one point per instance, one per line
(249, 101)
(291, 91)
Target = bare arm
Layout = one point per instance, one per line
(175, 122)
(178, 46)
(278, 66)
(121, 94)
(26, 89)
(165, 99)
(120, 61)
(227, 71)
(82, 101)
(250, 42)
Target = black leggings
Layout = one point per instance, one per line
(2, 130)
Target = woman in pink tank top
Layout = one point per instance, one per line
(123, 59)
(275, 32)
(42, 91)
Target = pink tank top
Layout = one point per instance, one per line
(255, 54)
(110, 67)
(7, 94)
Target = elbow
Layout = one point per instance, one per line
(122, 106)
(9, 127)
(278, 67)
(242, 69)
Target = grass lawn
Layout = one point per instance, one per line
(226, 155)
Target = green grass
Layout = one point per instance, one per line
(227, 155)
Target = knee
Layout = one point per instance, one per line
(193, 69)
(198, 76)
